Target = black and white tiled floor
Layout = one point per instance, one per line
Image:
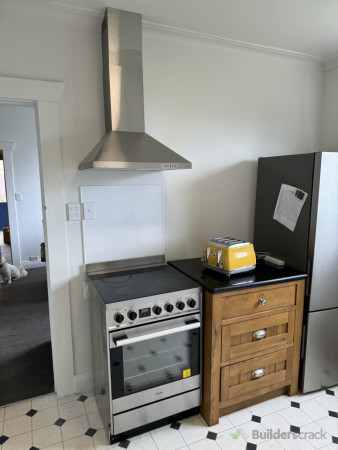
(70, 423)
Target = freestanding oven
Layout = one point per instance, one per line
(146, 334)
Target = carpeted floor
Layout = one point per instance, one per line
(25, 349)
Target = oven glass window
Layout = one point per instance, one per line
(143, 365)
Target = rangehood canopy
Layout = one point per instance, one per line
(126, 146)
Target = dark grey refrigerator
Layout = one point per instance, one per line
(312, 247)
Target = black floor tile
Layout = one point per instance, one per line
(59, 422)
(295, 404)
(212, 435)
(175, 425)
(3, 439)
(82, 398)
(251, 446)
(294, 429)
(124, 444)
(329, 392)
(31, 412)
(333, 414)
(256, 419)
(90, 432)
(335, 439)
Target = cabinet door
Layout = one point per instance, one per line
(255, 335)
(256, 376)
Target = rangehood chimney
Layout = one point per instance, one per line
(126, 146)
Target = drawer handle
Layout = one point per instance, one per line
(262, 301)
(257, 373)
(260, 334)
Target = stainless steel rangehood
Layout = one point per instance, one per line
(126, 146)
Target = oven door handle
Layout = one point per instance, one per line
(156, 334)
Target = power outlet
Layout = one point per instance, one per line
(74, 211)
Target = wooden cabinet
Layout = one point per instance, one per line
(251, 346)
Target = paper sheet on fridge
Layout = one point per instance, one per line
(289, 205)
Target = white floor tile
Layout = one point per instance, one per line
(295, 416)
(68, 398)
(261, 409)
(44, 437)
(269, 445)
(100, 440)
(314, 409)
(318, 393)
(79, 443)
(71, 409)
(239, 417)
(223, 425)
(21, 441)
(295, 444)
(193, 430)
(301, 397)
(95, 421)
(168, 439)
(330, 424)
(275, 424)
(231, 439)
(45, 417)
(253, 432)
(18, 409)
(74, 427)
(19, 425)
(316, 435)
(44, 402)
(280, 402)
(143, 443)
(330, 402)
(204, 444)
(90, 405)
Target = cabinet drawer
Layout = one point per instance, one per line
(258, 301)
(256, 335)
(238, 380)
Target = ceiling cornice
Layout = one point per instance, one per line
(226, 41)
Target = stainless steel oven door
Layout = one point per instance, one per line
(152, 362)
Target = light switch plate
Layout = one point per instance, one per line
(89, 212)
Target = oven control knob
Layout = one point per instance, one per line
(119, 318)
(191, 303)
(157, 310)
(180, 305)
(169, 307)
(132, 315)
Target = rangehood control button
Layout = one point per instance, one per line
(180, 306)
(191, 303)
(132, 315)
(119, 318)
(169, 307)
(157, 310)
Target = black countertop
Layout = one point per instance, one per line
(215, 282)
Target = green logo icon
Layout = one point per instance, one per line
(237, 434)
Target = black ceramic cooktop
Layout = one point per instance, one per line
(138, 283)
(216, 282)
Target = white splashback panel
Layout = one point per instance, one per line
(128, 223)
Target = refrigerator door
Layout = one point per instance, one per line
(320, 368)
(323, 240)
(270, 235)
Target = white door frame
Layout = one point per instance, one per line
(45, 96)
(7, 148)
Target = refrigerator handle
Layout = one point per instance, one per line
(308, 281)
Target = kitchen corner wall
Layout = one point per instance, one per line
(218, 105)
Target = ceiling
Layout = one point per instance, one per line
(305, 26)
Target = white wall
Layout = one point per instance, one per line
(329, 128)
(218, 106)
(17, 124)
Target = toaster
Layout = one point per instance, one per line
(228, 255)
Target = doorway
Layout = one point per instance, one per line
(26, 368)
(4, 224)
